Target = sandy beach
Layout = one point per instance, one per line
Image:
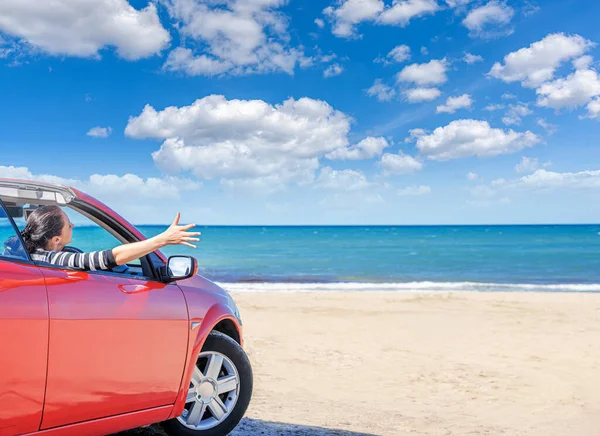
(422, 363)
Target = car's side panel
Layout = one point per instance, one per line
(110, 425)
(117, 345)
(23, 347)
(207, 309)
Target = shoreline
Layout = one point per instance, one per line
(407, 287)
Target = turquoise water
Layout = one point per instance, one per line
(534, 255)
(429, 257)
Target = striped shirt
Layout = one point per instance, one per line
(97, 260)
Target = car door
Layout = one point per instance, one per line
(117, 344)
(23, 334)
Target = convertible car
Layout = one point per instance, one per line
(98, 352)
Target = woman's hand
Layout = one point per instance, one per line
(177, 234)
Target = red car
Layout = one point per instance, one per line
(98, 352)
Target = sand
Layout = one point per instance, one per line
(422, 363)
(434, 364)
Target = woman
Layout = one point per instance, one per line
(49, 230)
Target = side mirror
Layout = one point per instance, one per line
(180, 268)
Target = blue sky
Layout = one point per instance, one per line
(297, 112)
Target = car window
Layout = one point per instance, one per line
(10, 244)
(89, 236)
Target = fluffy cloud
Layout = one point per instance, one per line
(344, 180)
(365, 149)
(465, 138)
(320, 23)
(431, 73)
(417, 95)
(100, 132)
(109, 187)
(235, 37)
(594, 108)
(399, 164)
(455, 103)
(333, 70)
(529, 165)
(537, 63)
(515, 112)
(347, 14)
(575, 90)
(494, 107)
(381, 91)
(550, 128)
(543, 179)
(414, 134)
(351, 12)
(244, 139)
(399, 53)
(84, 28)
(402, 11)
(414, 191)
(472, 176)
(471, 58)
(489, 20)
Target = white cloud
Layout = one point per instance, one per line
(110, 186)
(494, 107)
(529, 165)
(530, 9)
(365, 149)
(417, 95)
(515, 112)
(414, 134)
(402, 11)
(100, 132)
(344, 180)
(350, 13)
(320, 23)
(537, 63)
(593, 108)
(575, 90)
(471, 58)
(347, 14)
(333, 70)
(465, 138)
(85, 28)
(508, 96)
(235, 37)
(457, 3)
(550, 128)
(414, 191)
(399, 53)
(543, 179)
(381, 91)
(244, 139)
(455, 103)
(424, 51)
(472, 176)
(399, 164)
(583, 63)
(489, 20)
(431, 73)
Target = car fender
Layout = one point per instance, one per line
(200, 329)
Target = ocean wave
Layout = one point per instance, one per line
(405, 287)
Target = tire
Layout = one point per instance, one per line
(218, 346)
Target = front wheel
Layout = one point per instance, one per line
(219, 392)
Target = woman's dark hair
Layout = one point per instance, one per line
(43, 224)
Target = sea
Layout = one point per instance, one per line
(550, 258)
